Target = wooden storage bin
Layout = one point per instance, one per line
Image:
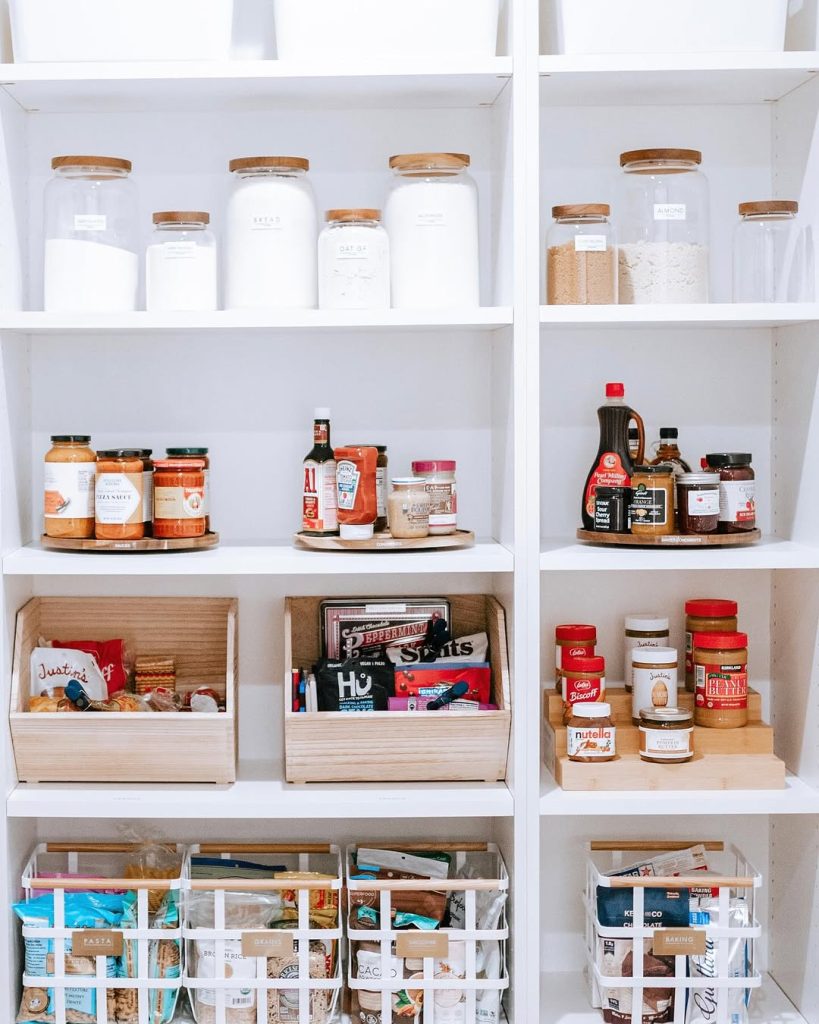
(200, 632)
(398, 746)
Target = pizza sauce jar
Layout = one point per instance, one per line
(666, 735)
(705, 616)
(572, 641)
(583, 681)
(118, 495)
(721, 668)
(179, 498)
(68, 486)
(590, 733)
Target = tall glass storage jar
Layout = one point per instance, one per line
(91, 244)
(581, 256)
(354, 261)
(772, 258)
(270, 235)
(431, 216)
(663, 227)
(180, 263)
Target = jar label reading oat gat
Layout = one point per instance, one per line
(69, 490)
(590, 740)
(721, 687)
(649, 505)
(737, 502)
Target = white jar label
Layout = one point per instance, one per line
(634, 642)
(147, 496)
(381, 492)
(179, 503)
(118, 498)
(737, 501)
(352, 251)
(266, 222)
(654, 687)
(590, 243)
(703, 503)
(590, 740)
(669, 211)
(179, 250)
(347, 481)
(90, 222)
(665, 743)
(69, 490)
(430, 219)
(443, 504)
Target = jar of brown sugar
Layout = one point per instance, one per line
(704, 615)
(666, 735)
(652, 501)
(737, 491)
(118, 505)
(581, 256)
(721, 677)
(698, 502)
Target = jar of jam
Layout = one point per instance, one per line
(200, 454)
(68, 487)
(591, 734)
(703, 615)
(652, 501)
(721, 677)
(572, 640)
(698, 502)
(179, 498)
(147, 490)
(666, 735)
(737, 491)
(583, 681)
(118, 495)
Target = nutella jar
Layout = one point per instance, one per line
(583, 681)
(572, 640)
(666, 735)
(590, 733)
(737, 491)
(703, 615)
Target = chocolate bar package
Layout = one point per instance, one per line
(663, 908)
(616, 958)
(365, 629)
(357, 684)
(431, 680)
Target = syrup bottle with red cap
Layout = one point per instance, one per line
(614, 463)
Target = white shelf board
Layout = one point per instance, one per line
(248, 85)
(660, 79)
(568, 555)
(261, 793)
(274, 559)
(565, 1000)
(699, 314)
(796, 798)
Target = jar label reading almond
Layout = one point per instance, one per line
(69, 490)
(669, 211)
(722, 687)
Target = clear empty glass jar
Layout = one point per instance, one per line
(180, 263)
(431, 216)
(663, 227)
(772, 261)
(354, 261)
(270, 235)
(581, 256)
(91, 234)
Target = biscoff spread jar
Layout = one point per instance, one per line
(583, 681)
(590, 733)
(439, 475)
(572, 640)
(666, 735)
(68, 487)
(721, 672)
(704, 615)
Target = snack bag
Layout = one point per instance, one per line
(110, 655)
(702, 1002)
(55, 667)
(362, 684)
(164, 963)
(463, 650)
(430, 680)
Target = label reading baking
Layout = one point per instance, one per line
(69, 490)
(118, 498)
(609, 472)
(179, 250)
(703, 503)
(179, 502)
(649, 505)
(267, 944)
(669, 211)
(417, 945)
(665, 744)
(679, 942)
(722, 687)
(352, 251)
(737, 502)
(590, 243)
(96, 942)
(590, 740)
(430, 219)
(347, 481)
(90, 222)
(319, 512)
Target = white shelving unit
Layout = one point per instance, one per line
(509, 390)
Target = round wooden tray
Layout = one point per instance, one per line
(129, 547)
(386, 542)
(673, 540)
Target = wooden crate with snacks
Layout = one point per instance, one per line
(201, 634)
(398, 746)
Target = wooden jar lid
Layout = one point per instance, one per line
(181, 217)
(582, 210)
(352, 215)
(287, 163)
(113, 162)
(769, 206)
(420, 161)
(633, 156)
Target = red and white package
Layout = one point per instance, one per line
(110, 655)
(431, 680)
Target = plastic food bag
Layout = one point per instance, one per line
(164, 963)
(55, 667)
(702, 1002)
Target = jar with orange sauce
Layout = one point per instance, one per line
(204, 455)
(68, 487)
(179, 498)
(118, 495)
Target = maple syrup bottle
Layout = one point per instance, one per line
(613, 465)
(319, 502)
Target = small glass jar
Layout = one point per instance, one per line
(652, 501)
(643, 630)
(199, 454)
(118, 507)
(431, 217)
(721, 680)
(572, 640)
(68, 487)
(591, 734)
(581, 256)
(353, 261)
(772, 257)
(654, 679)
(737, 490)
(705, 615)
(408, 508)
(179, 498)
(666, 735)
(698, 502)
(271, 226)
(582, 680)
(91, 233)
(180, 263)
(147, 490)
(439, 475)
(663, 227)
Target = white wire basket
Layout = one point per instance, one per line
(127, 966)
(296, 978)
(439, 968)
(715, 973)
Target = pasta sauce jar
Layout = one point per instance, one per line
(665, 735)
(118, 504)
(721, 670)
(200, 454)
(68, 487)
(179, 498)
(705, 616)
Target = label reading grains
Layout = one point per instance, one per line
(669, 211)
(589, 243)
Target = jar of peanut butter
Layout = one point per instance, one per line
(705, 615)
(721, 677)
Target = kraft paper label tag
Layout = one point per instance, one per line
(679, 942)
(417, 945)
(267, 944)
(96, 942)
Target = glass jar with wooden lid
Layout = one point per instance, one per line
(652, 501)
(705, 615)
(118, 495)
(721, 678)
(68, 487)
(581, 256)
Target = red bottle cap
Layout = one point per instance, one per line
(590, 663)
(615, 391)
(711, 609)
(576, 632)
(721, 641)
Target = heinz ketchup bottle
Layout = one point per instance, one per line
(613, 465)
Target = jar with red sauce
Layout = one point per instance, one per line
(179, 498)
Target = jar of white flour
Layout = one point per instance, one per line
(180, 263)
